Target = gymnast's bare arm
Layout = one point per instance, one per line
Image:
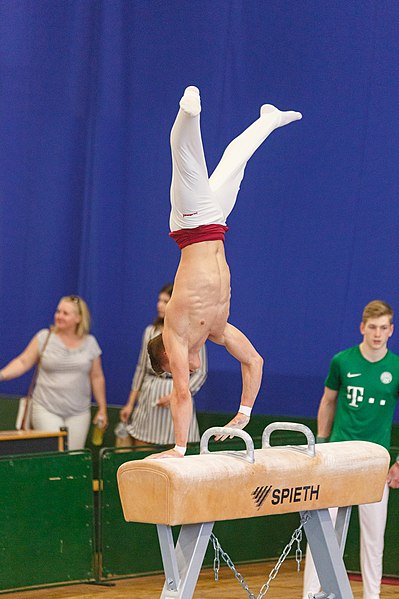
(180, 401)
(239, 346)
(177, 363)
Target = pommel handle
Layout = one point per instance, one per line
(231, 432)
(290, 426)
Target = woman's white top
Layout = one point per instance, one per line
(63, 385)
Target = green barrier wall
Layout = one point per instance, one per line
(46, 519)
(8, 411)
(125, 548)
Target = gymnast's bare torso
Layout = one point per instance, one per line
(199, 307)
(200, 303)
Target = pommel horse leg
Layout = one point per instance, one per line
(182, 564)
(327, 544)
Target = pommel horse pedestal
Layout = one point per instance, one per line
(198, 490)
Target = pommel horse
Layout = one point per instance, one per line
(198, 490)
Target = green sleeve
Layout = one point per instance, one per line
(333, 380)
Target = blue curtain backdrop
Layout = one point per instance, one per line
(88, 93)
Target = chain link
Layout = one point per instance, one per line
(296, 537)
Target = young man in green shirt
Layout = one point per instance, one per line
(358, 404)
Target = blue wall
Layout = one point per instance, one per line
(89, 92)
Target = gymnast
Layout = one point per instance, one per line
(199, 307)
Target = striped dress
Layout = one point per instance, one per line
(151, 423)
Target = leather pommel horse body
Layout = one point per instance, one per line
(198, 490)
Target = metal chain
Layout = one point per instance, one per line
(216, 561)
(296, 537)
(216, 565)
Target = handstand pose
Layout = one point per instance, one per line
(199, 307)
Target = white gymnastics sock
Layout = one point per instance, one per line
(190, 102)
(282, 117)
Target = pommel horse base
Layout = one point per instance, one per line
(198, 490)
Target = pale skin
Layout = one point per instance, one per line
(164, 401)
(376, 332)
(197, 311)
(66, 320)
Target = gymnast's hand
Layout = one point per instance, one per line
(169, 453)
(239, 421)
(393, 476)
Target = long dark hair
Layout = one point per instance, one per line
(168, 288)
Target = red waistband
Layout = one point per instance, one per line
(185, 237)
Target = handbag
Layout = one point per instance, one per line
(24, 414)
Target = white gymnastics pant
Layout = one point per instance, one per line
(197, 199)
(372, 519)
(78, 425)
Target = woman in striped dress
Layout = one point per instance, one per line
(147, 409)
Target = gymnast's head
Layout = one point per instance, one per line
(158, 358)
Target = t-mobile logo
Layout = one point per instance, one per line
(355, 394)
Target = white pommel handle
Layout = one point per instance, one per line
(231, 432)
(290, 426)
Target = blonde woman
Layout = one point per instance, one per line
(70, 373)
